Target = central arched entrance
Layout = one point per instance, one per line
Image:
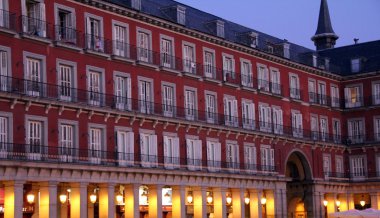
(299, 188)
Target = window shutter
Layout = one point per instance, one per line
(3, 130)
(272, 157)
(143, 149)
(198, 150)
(263, 157)
(209, 150)
(218, 153)
(166, 147)
(225, 107)
(176, 151)
(189, 150)
(24, 13)
(235, 112)
(153, 145)
(42, 18)
(131, 144)
(268, 115)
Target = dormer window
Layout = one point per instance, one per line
(181, 15)
(136, 4)
(270, 49)
(315, 60)
(220, 28)
(355, 65)
(286, 49)
(253, 38)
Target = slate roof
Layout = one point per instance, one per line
(198, 20)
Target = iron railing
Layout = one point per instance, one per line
(36, 27)
(7, 20)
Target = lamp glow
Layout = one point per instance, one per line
(30, 198)
(93, 198)
(362, 203)
(119, 198)
(337, 203)
(209, 199)
(63, 198)
(229, 199)
(263, 201)
(325, 203)
(189, 198)
(247, 200)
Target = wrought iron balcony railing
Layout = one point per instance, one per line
(7, 20)
(36, 27)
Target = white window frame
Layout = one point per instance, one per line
(95, 155)
(275, 79)
(246, 73)
(122, 90)
(352, 101)
(6, 133)
(248, 114)
(31, 83)
(326, 164)
(297, 123)
(168, 102)
(232, 155)
(167, 51)
(265, 117)
(376, 93)
(189, 60)
(181, 15)
(263, 77)
(171, 151)
(38, 20)
(312, 87)
(277, 120)
(358, 166)
(149, 155)
(125, 145)
(70, 32)
(356, 135)
(146, 103)
(376, 125)
(213, 154)
(324, 127)
(211, 116)
(295, 91)
(231, 117)
(95, 97)
(219, 28)
(250, 157)
(228, 67)
(335, 99)
(267, 158)
(68, 151)
(120, 45)
(94, 41)
(66, 91)
(209, 65)
(191, 108)
(194, 152)
(34, 152)
(337, 132)
(144, 52)
(5, 68)
(355, 65)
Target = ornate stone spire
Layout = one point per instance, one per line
(325, 36)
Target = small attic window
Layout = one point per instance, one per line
(181, 15)
(270, 49)
(253, 39)
(136, 4)
(286, 49)
(220, 28)
(355, 65)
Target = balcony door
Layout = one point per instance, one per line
(34, 137)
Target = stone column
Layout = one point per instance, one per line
(317, 204)
(179, 201)
(78, 200)
(200, 204)
(13, 199)
(107, 200)
(220, 205)
(132, 209)
(270, 205)
(238, 206)
(155, 201)
(48, 200)
(255, 206)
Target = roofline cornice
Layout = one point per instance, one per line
(156, 21)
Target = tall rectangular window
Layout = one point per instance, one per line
(250, 157)
(189, 65)
(324, 128)
(312, 91)
(123, 92)
(335, 102)
(148, 149)
(295, 91)
(167, 58)
(322, 97)
(65, 25)
(66, 144)
(277, 120)
(190, 104)
(66, 82)
(265, 118)
(33, 76)
(120, 40)
(297, 124)
(377, 128)
(145, 97)
(356, 131)
(94, 34)
(267, 158)
(168, 100)
(4, 136)
(376, 93)
(35, 139)
(213, 156)
(353, 96)
(230, 111)
(314, 127)
(246, 74)
(125, 147)
(209, 68)
(211, 108)
(4, 79)
(144, 46)
(194, 154)
(34, 18)
(95, 145)
(181, 15)
(336, 131)
(228, 68)
(94, 88)
(339, 166)
(171, 152)
(355, 65)
(326, 165)
(358, 166)
(275, 81)
(248, 114)
(263, 78)
(232, 154)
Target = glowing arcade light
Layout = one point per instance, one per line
(246, 200)
(263, 200)
(209, 198)
(119, 198)
(189, 197)
(93, 198)
(30, 198)
(167, 197)
(229, 199)
(325, 203)
(63, 198)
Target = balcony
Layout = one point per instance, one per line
(68, 37)
(64, 155)
(354, 102)
(295, 93)
(94, 99)
(36, 29)
(97, 45)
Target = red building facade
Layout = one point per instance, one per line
(104, 99)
